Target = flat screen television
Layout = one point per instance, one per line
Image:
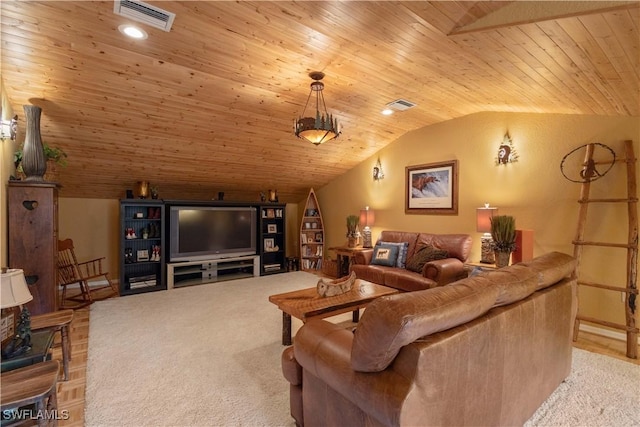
(211, 232)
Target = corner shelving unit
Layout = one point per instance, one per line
(311, 235)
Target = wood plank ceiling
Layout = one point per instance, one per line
(209, 105)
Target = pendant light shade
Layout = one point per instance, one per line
(321, 127)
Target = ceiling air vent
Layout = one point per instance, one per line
(145, 13)
(401, 104)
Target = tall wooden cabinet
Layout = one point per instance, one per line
(311, 235)
(33, 239)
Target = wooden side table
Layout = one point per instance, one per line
(345, 256)
(41, 342)
(57, 321)
(33, 384)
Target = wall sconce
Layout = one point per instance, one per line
(483, 225)
(378, 174)
(9, 129)
(506, 151)
(367, 218)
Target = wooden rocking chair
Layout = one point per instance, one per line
(70, 272)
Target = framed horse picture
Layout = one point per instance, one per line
(432, 188)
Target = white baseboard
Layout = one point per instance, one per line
(620, 336)
(94, 284)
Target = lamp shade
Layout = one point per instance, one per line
(367, 217)
(483, 218)
(13, 289)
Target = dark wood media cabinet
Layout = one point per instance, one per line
(145, 263)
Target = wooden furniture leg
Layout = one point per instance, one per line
(57, 321)
(286, 329)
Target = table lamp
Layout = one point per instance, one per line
(367, 217)
(14, 292)
(483, 223)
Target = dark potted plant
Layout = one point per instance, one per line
(353, 234)
(503, 233)
(154, 189)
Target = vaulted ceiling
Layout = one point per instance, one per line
(209, 106)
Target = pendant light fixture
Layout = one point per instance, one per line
(321, 128)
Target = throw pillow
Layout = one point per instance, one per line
(424, 255)
(403, 247)
(385, 255)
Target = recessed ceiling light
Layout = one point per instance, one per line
(133, 32)
(387, 111)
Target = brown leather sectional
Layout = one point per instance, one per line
(485, 350)
(434, 273)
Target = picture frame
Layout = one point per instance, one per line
(318, 237)
(271, 213)
(269, 244)
(432, 188)
(142, 255)
(272, 228)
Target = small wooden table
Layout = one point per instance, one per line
(41, 342)
(306, 304)
(34, 384)
(345, 256)
(57, 321)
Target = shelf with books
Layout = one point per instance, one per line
(311, 235)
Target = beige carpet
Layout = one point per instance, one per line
(210, 356)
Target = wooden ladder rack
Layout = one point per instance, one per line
(631, 289)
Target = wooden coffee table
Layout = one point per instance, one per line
(306, 304)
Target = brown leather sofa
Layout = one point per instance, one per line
(485, 350)
(434, 273)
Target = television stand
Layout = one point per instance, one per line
(189, 273)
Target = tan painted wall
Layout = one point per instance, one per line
(6, 169)
(532, 190)
(93, 226)
(292, 229)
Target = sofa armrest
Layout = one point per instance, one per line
(324, 350)
(444, 271)
(363, 257)
(293, 373)
(291, 369)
